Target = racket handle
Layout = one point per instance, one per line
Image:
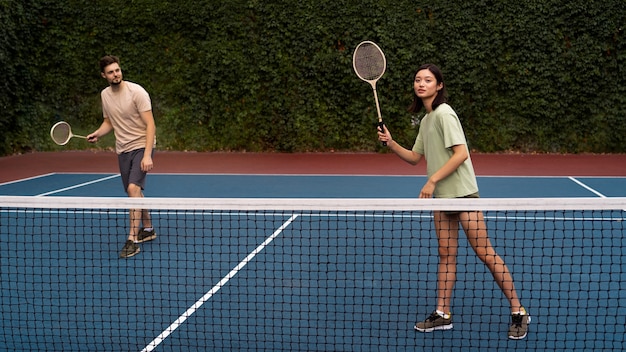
(382, 128)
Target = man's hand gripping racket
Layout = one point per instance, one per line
(370, 64)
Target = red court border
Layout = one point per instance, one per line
(28, 165)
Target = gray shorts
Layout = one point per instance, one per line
(130, 168)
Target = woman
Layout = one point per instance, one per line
(441, 141)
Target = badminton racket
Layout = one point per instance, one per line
(61, 133)
(370, 65)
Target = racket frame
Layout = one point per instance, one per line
(372, 82)
(70, 134)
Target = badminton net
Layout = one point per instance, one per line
(304, 275)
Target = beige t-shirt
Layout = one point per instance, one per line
(123, 110)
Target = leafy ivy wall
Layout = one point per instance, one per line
(271, 75)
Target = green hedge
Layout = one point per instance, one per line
(530, 76)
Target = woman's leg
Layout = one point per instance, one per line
(476, 230)
(447, 228)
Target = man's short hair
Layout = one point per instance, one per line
(107, 60)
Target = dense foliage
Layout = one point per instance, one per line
(259, 75)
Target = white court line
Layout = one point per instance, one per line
(587, 187)
(152, 345)
(26, 179)
(77, 186)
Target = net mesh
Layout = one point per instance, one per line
(369, 62)
(61, 133)
(304, 275)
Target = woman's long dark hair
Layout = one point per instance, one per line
(442, 94)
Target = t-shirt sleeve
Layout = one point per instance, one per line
(452, 130)
(418, 146)
(105, 112)
(142, 100)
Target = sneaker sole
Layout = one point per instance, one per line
(146, 239)
(441, 327)
(132, 254)
(521, 337)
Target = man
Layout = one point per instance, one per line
(127, 111)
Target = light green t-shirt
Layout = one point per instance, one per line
(439, 131)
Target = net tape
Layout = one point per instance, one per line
(339, 204)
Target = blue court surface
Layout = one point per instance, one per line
(227, 281)
(290, 186)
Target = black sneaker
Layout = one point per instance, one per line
(519, 325)
(434, 322)
(146, 235)
(130, 248)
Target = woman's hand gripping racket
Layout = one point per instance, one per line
(370, 64)
(61, 133)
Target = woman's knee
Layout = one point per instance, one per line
(490, 258)
(447, 252)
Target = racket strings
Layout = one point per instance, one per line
(369, 62)
(61, 133)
